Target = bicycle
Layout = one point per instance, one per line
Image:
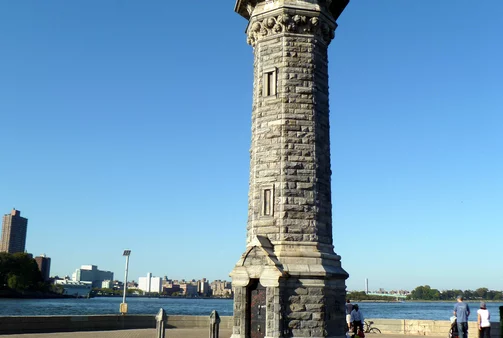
(368, 328)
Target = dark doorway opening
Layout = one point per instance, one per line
(256, 310)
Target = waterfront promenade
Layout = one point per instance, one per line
(141, 333)
(170, 333)
(194, 327)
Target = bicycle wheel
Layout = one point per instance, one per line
(374, 330)
(365, 327)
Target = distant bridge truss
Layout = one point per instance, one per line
(391, 295)
(387, 295)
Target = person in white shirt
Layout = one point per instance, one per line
(356, 319)
(483, 321)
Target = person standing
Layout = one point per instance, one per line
(356, 319)
(349, 308)
(462, 311)
(483, 321)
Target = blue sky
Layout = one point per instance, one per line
(126, 124)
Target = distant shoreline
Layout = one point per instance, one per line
(160, 296)
(377, 301)
(11, 294)
(423, 301)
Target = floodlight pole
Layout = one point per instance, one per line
(123, 305)
(125, 280)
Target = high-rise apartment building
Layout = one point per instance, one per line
(13, 232)
(221, 288)
(203, 287)
(44, 265)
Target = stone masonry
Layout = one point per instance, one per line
(290, 248)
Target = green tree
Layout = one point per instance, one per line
(16, 282)
(482, 292)
(469, 294)
(497, 295)
(19, 272)
(447, 295)
(59, 289)
(457, 293)
(132, 291)
(425, 293)
(6, 264)
(357, 295)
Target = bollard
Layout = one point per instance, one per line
(160, 323)
(214, 324)
(501, 321)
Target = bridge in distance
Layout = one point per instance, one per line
(397, 296)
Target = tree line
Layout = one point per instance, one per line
(19, 272)
(425, 292)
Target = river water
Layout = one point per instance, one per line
(203, 307)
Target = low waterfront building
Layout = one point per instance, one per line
(73, 288)
(90, 273)
(170, 289)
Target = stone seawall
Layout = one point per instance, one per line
(45, 324)
(425, 327)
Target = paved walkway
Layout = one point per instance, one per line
(150, 333)
(143, 333)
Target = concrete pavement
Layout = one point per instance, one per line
(142, 333)
(170, 333)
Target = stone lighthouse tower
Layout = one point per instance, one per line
(289, 282)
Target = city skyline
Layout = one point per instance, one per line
(129, 134)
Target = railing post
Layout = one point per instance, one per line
(160, 324)
(501, 321)
(214, 324)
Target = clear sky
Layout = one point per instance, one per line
(126, 124)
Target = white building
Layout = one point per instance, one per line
(107, 284)
(90, 273)
(150, 284)
(73, 288)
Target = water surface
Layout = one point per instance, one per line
(203, 307)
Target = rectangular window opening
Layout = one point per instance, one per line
(267, 202)
(270, 82)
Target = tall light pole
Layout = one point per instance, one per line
(123, 308)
